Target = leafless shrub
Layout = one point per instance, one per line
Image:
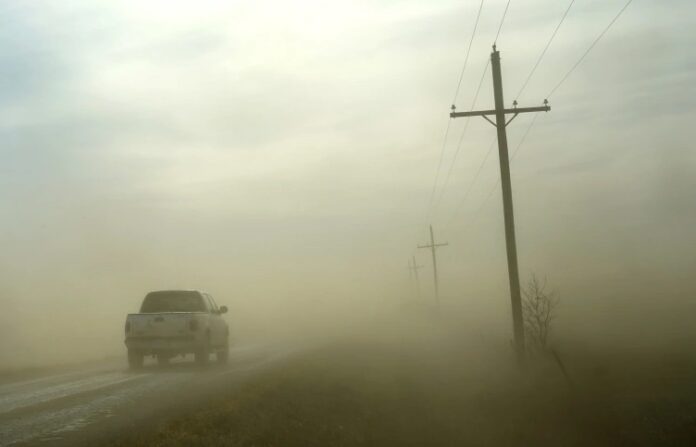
(538, 307)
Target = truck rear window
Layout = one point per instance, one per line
(172, 301)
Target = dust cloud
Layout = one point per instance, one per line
(283, 163)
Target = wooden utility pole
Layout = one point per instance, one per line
(413, 268)
(500, 123)
(432, 247)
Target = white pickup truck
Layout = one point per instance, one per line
(177, 322)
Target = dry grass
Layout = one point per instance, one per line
(392, 395)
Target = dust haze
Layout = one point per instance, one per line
(280, 156)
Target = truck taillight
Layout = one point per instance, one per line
(193, 325)
(127, 326)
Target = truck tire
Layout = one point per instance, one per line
(202, 354)
(223, 355)
(162, 359)
(135, 359)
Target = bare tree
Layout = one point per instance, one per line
(538, 306)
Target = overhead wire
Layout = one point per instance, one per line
(468, 52)
(543, 53)
(439, 168)
(584, 55)
(461, 138)
(466, 125)
(449, 121)
(471, 184)
(524, 86)
(502, 20)
(553, 90)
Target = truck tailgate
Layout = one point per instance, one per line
(170, 324)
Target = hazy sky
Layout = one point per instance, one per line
(278, 152)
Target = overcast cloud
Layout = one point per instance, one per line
(273, 152)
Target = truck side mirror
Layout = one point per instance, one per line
(223, 309)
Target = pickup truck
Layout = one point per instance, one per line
(177, 322)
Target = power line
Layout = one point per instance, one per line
(442, 151)
(468, 52)
(599, 37)
(531, 124)
(524, 85)
(500, 27)
(473, 181)
(536, 65)
(456, 94)
(524, 136)
(548, 44)
(437, 173)
(461, 138)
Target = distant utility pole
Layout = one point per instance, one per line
(413, 268)
(432, 247)
(500, 124)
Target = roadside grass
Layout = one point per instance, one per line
(394, 393)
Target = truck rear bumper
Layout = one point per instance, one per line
(173, 345)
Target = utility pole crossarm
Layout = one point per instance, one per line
(413, 267)
(431, 246)
(515, 111)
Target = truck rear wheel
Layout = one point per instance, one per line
(223, 355)
(135, 359)
(202, 355)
